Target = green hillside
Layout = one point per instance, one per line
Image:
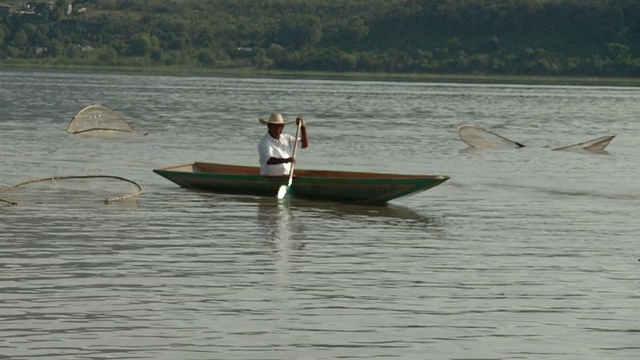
(498, 37)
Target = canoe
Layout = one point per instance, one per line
(341, 186)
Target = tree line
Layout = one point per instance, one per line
(507, 37)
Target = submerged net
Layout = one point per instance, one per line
(481, 138)
(70, 189)
(97, 118)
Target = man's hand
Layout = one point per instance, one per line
(300, 121)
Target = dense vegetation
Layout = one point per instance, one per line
(534, 37)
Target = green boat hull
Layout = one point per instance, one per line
(341, 186)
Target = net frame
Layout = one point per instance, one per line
(478, 137)
(595, 145)
(7, 201)
(133, 194)
(93, 113)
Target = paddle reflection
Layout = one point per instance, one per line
(284, 232)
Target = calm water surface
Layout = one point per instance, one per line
(523, 254)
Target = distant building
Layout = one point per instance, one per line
(244, 52)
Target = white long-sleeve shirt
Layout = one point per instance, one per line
(269, 147)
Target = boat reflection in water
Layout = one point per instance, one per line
(294, 227)
(322, 208)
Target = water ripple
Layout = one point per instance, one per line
(525, 253)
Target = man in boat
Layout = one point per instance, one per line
(276, 148)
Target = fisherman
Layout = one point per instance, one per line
(276, 148)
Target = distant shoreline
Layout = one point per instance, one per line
(322, 75)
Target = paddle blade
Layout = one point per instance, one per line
(282, 192)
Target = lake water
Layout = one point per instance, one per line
(523, 254)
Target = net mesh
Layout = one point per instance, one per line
(595, 145)
(70, 189)
(99, 118)
(481, 138)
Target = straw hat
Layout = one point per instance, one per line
(274, 119)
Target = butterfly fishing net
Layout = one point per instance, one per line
(594, 145)
(69, 190)
(98, 119)
(481, 138)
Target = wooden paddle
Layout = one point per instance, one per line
(282, 192)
